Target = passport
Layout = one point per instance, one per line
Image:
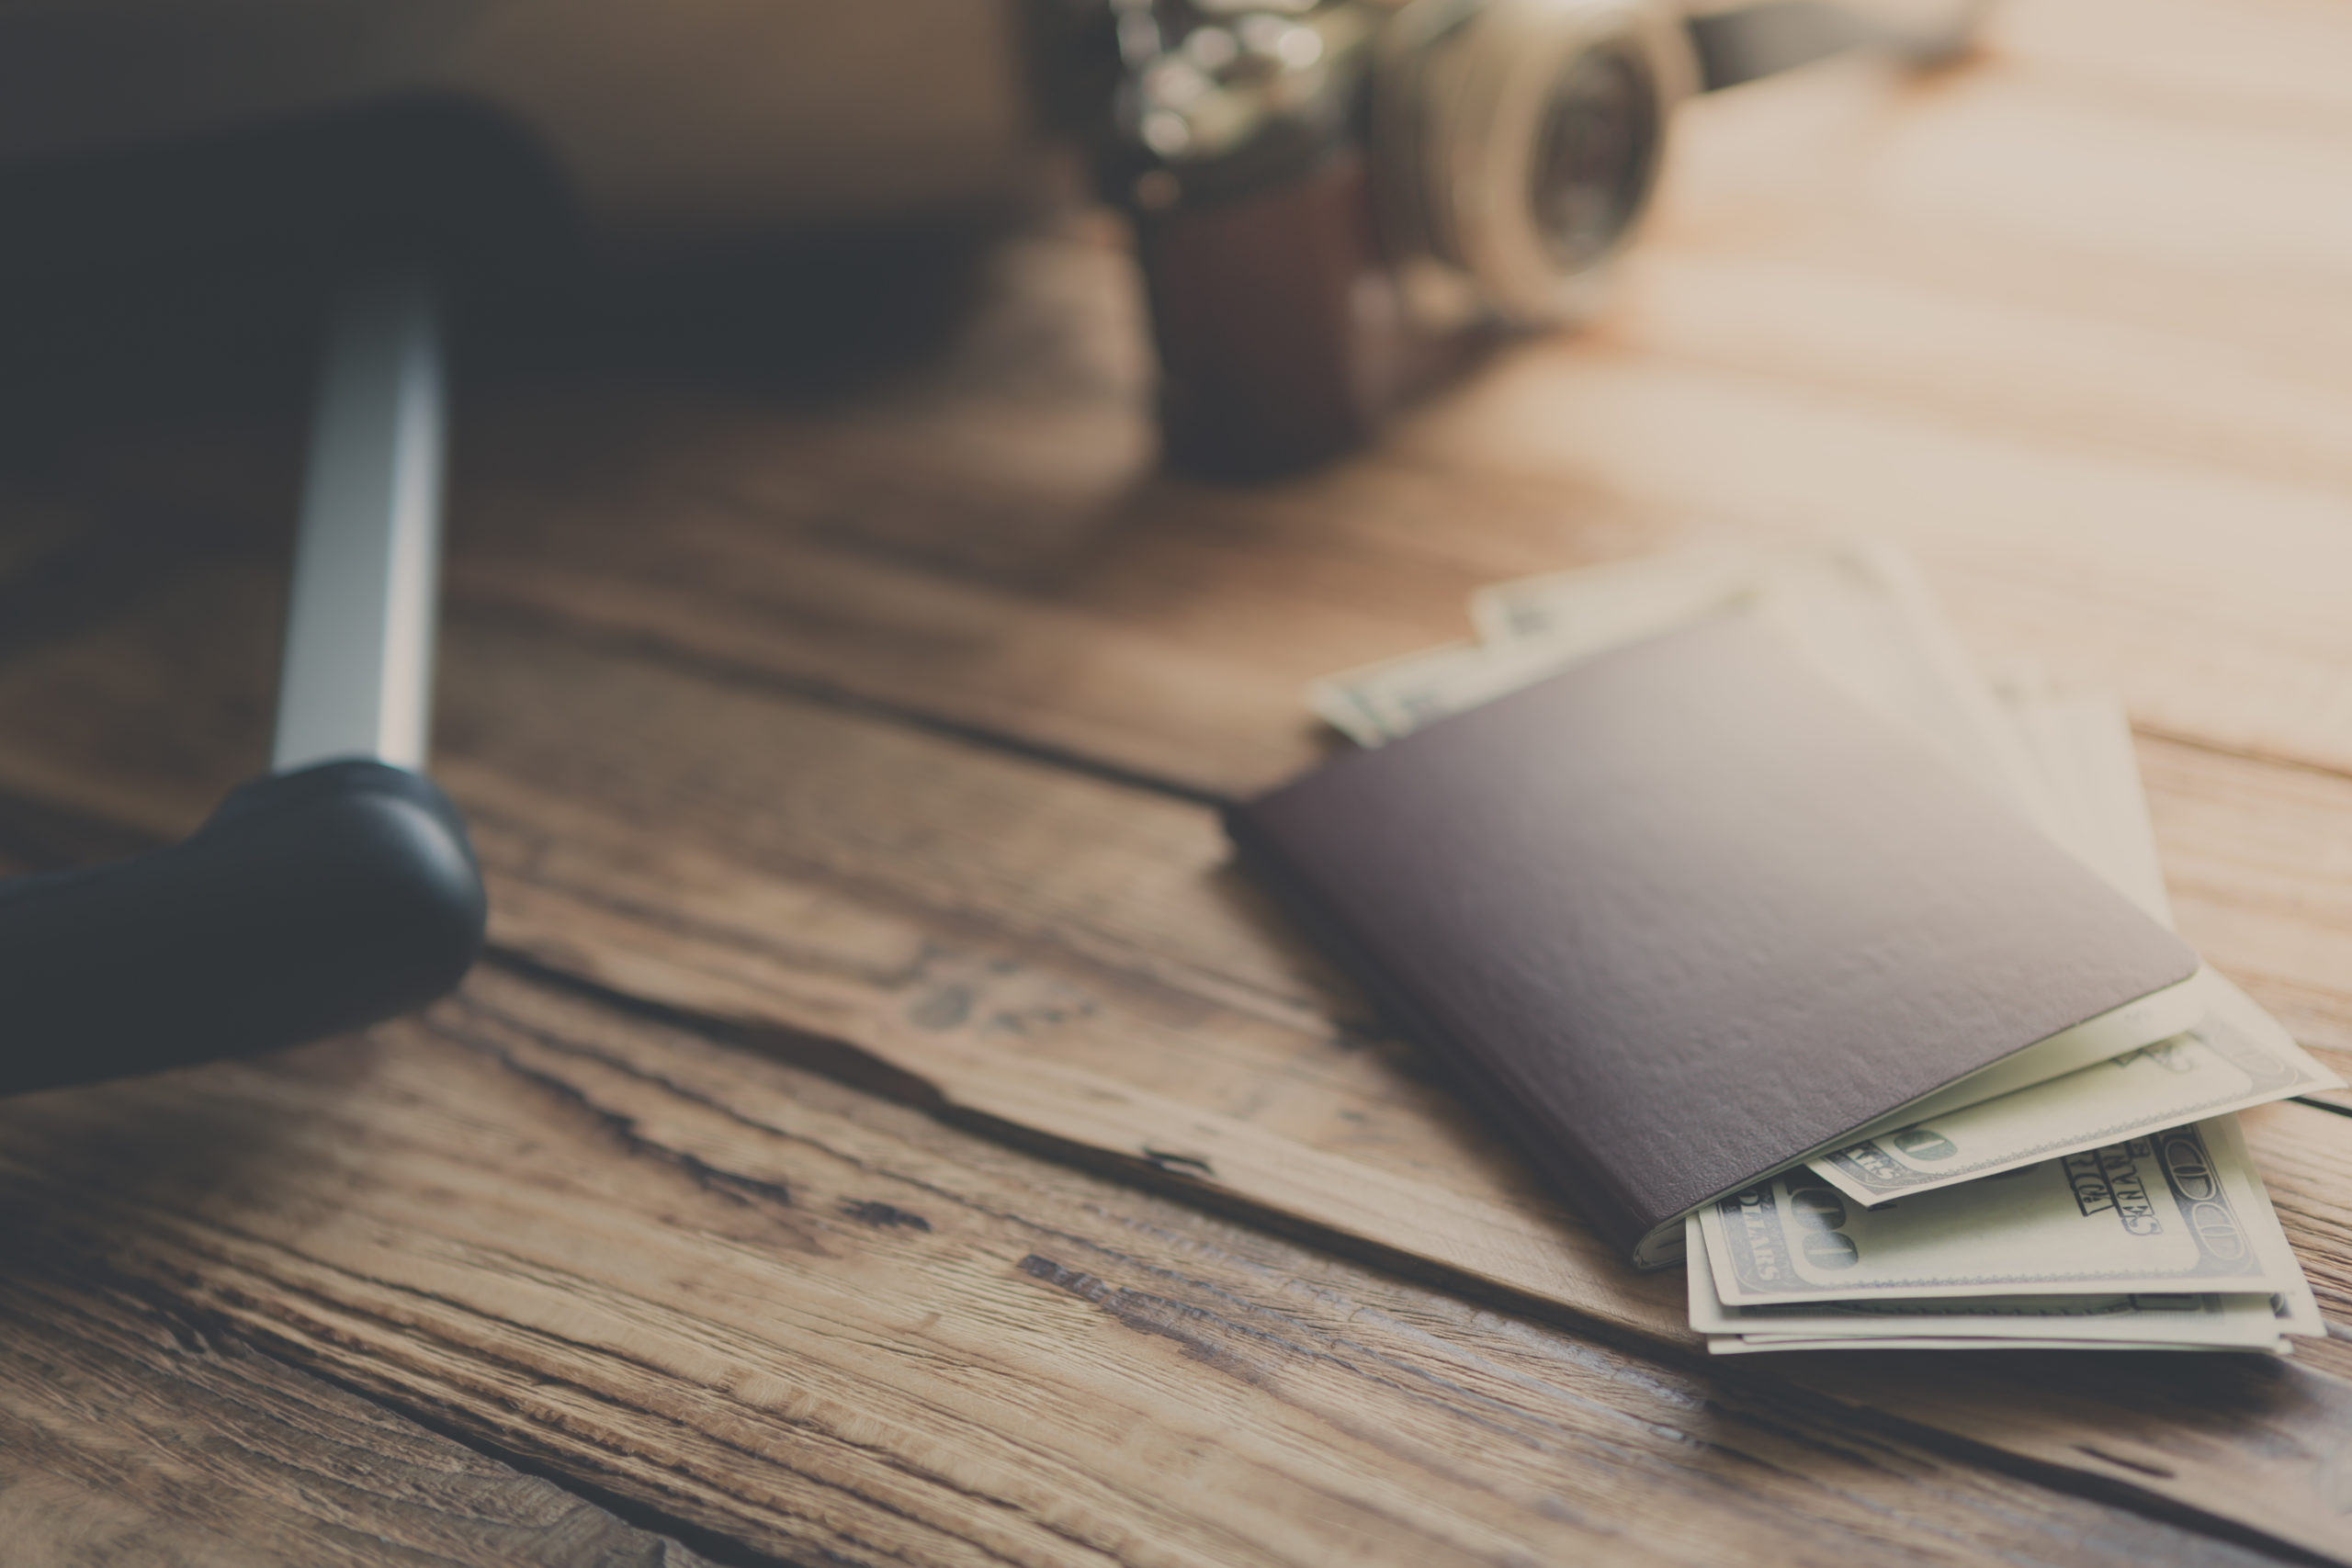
(1686, 914)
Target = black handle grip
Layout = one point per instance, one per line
(309, 903)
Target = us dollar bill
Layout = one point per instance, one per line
(1620, 599)
(1747, 1345)
(2239, 1057)
(1573, 616)
(2250, 1322)
(2179, 1210)
(2243, 1321)
(1389, 700)
(2084, 745)
(1858, 613)
(2237, 1322)
(1533, 628)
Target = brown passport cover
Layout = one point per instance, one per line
(1687, 912)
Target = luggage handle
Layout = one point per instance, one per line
(339, 889)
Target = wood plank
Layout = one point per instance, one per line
(1059, 953)
(819, 1324)
(133, 1433)
(1959, 332)
(1964, 314)
(1036, 952)
(1067, 956)
(1872, 309)
(2260, 861)
(881, 561)
(1056, 953)
(2272, 65)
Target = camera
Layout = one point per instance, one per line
(1337, 201)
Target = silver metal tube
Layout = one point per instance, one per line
(357, 676)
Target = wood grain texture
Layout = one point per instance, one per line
(828, 1327)
(2260, 861)
(1064, 958)
(132, 1434)
(867, 721)
(1969, 315)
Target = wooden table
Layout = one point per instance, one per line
(887, 1131)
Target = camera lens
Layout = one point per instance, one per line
(1515, 142)
(1595, 154)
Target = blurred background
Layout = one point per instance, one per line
(832, 343)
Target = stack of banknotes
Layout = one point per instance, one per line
(2113, 1208)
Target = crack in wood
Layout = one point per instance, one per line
(2161, 1471)
(875, 1213)
(623, 1129)
(2058, 1477)
(225, 1363)
(831, 1057)
(464, 1424)
(767, 681)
